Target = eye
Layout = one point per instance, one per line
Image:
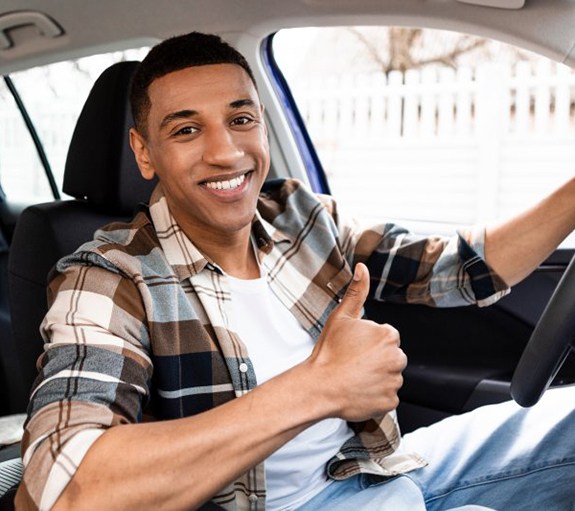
(186, 130)
(242, 120)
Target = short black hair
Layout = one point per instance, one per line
(174, 54)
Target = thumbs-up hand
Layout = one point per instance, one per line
(358, 362)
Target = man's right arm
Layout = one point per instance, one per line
(181, 463)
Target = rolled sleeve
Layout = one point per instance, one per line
(94, 374)
(438, 271)
(486, 285)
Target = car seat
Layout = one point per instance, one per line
(102, 176)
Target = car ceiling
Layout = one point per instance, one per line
(545, 26)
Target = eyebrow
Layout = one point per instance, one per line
(239, 103)
(186, 114)
(175, 116)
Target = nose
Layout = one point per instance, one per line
(221, 148)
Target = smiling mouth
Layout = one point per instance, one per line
(230, 184)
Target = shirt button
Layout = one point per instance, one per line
(244, 369)
(253, 497)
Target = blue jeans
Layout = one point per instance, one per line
(498, 457)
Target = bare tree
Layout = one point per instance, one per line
(406, 48)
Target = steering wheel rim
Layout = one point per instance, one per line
(550, 343)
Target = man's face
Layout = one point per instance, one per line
(207, 143)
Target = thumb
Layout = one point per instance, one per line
(352, 303)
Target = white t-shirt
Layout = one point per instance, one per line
(276, 341)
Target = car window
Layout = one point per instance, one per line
(53, 96)
(427, 126)
(19, 163)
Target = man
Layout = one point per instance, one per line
(235, 317)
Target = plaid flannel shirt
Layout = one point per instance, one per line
(138, 325)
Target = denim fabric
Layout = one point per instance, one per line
(498, 457)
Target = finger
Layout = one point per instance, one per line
(352, 303)
(392, 333)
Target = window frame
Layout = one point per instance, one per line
(34, 135)
(313, 166)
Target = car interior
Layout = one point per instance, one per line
(106, 188)
(459, 358)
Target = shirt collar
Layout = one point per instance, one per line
(181, 253)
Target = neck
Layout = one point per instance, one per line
(233, 254)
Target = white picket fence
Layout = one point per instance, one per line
(451, 146)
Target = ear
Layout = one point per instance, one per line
(140, 148)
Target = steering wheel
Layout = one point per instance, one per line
(550, 343)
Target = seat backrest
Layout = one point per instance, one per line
(102, 175)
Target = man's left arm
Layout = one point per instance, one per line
(513, 249)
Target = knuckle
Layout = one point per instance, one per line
(391, 333)
(403, 357)
(390, 329)
(393, 402)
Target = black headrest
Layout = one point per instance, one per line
(100, 166)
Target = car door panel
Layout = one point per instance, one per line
(461, 358)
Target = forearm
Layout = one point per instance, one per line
(181, 463)
(515, 248)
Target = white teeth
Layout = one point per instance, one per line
(226, 185)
